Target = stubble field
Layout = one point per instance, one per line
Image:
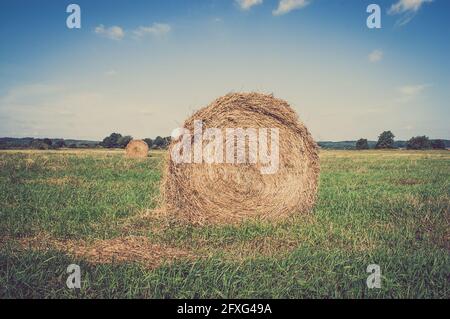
(100, 210)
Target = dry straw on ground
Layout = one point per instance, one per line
(230, 193)
(117, 250)
(136, 149)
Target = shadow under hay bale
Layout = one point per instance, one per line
(136, 149)
(220, 193)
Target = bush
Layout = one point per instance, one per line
(362, 144)
(47, 141)
(438, 144)
(39, 145)
(124, 140)
(59, 144)
(159, 142)
(149, 142)
(418, 143)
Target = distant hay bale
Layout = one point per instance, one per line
(136, 149)
(231, 192)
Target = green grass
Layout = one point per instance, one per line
(385, 207)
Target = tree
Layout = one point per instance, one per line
(59, 144)
(149, 142)
(111, 141)
(124, 140)
(418, 143)
(362, 144)
(47, 141)
(159, 142)
(438, 144)
(385, 140)
(39, 145)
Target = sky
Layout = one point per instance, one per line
(141, 67)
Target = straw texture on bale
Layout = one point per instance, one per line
(202, 193)
(136, 149)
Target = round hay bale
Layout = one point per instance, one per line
(136, 149)
(231, 192)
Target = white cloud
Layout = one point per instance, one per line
(407, 8)
(157, 29)
(247, 4)
(114, 32)
(375, 56)
(111, 72)
(117, 33)
(412, 90)
(286, 6)
(408, 93)
(407, 5)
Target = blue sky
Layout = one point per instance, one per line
(142, 67)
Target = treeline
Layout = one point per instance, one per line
(386, 141)
(43, 143)
(116, 140)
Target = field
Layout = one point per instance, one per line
(99, 210)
